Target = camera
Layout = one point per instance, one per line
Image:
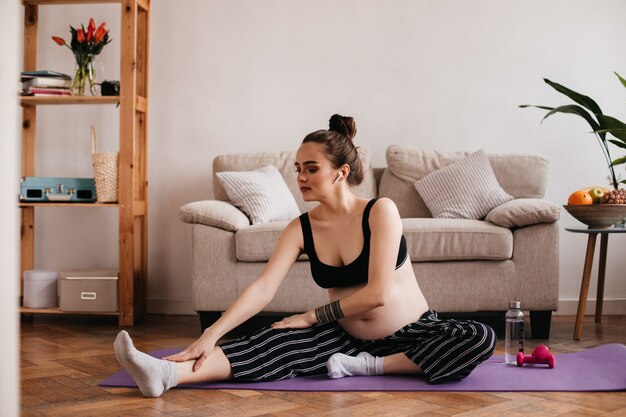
(110, 88)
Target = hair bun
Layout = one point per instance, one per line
(342, 124)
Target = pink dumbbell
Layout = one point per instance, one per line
(541, 354)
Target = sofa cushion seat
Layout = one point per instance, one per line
(427, 240)
(456, 240)
(256, 243)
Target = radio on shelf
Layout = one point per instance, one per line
(52, 189)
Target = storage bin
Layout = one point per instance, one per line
(40, 289)
(88, 290)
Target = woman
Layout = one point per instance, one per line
(378, 321)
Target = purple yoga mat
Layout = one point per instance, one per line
(601, 368)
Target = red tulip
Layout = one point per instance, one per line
(59, 41)
(80, 35)
(101, 32)
(90, 29)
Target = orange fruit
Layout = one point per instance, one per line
(579, 197)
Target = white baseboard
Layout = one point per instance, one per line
(615, 307)
(170, 306)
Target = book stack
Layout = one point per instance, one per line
(46, 83)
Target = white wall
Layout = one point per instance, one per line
(232, 76)
(9, 220)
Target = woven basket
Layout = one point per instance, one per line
(105, 171)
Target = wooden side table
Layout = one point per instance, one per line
(584, 286)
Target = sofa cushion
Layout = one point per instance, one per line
(261, 194)
(285, 161)
(523, 212)
(256, 243)
(522, 176)
(465, 189)
(214, 213)
(456, 239)
(427, 240)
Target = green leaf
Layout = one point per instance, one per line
(618, 143)
(620, 133)
(581, 99)
(613, 126)
(610, 130)
(619, 161)
(579, 111)
(523, 106)
(623, 81)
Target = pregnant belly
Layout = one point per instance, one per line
(405, 304)
(383, 321)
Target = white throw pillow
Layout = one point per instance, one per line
(467, 189)
(261, 194)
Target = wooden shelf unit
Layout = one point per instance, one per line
(133, 152)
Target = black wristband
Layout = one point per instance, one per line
(336, 310)
(329, 312)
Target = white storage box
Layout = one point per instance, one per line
(40, 289)
(88, 290)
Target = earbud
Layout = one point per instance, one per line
(339, 177)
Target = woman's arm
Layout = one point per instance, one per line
(253, 299)
(386, 232)
(262, 290)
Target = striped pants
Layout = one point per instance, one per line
(444, 349)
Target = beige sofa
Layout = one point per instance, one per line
(462, 266)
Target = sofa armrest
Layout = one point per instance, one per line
(214, 213)
(522, 212)
(536, 260)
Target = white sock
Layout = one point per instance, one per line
(340, 365)
(153, 376)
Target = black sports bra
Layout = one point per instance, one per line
(356, 272)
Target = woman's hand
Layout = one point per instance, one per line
(298, 321)
(198, 350)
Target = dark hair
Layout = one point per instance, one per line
(338, 146)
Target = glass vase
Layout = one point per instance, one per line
(84, 81)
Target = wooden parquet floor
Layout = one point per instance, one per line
(63, 358)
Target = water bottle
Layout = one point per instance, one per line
(514, 338)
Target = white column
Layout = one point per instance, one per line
(10, 19)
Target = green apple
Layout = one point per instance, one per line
(596, 194)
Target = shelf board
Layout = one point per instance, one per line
(42, 100)
(57, 310)
(46, 2)
(68, 204)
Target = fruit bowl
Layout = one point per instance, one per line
(597, 215)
